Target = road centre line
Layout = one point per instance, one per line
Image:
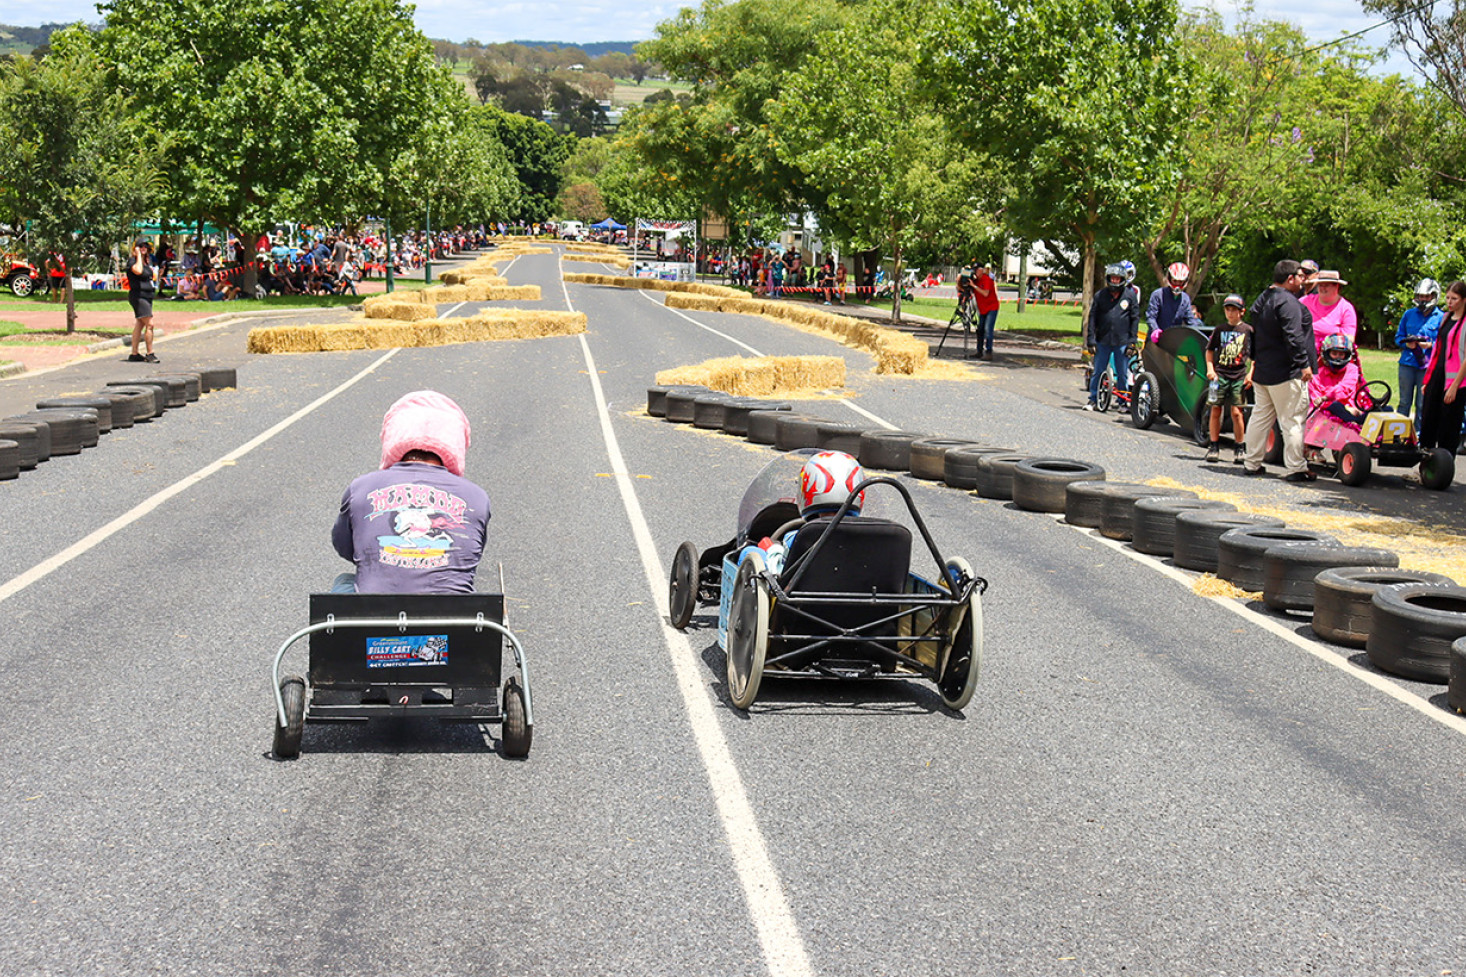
(43, 569)
(778, 935)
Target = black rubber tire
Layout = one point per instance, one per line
(736, 411)
(959, 465)
(146, 402)
(1145, 400)
(85, 422)
(794, 431)
(681, 404)
(1272, 451)
(516, 735)
(1084, 501)
(1241, 552)
(286, 745)
(928, 456)
(1456, 684)
(1199, 533)
(1039, 484)
(1153, 521)
(27, 438)
(217, 378)
(682, 586)
(175, 391)
(1117, 508)
(995, 475)
(839, 436)
(123, 407)
(888, 451)
(1412, 627)
(1342, 599)
(192, 384)
(159, 388)
(763, 425)
(67, 430)
(1438, 471)
(707, 411)
(43, 434)
(102, 406)
(9, 460)
(1289, 570)
(958, 679)
(656, 401)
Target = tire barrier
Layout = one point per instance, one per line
(1343, 599)
(192, 384)
(1117, 508)
(65, 437)
(1289, 570)
(217, 378)
(888, 451)
(681, 404)
(1153, 523)
(793, 431)
(837, 436)
(1199, 533)
(737, 410)
(707, 411)
(145, 401)
(1039, 484)
(1240, 552)
(123, 406)
(959, 465)
(9, 460)
(995, 475)
(656, 397)
(100, 405)
(1456, 684)
(1412, 627)
(763, 425)
(27, 438)
(928, 456)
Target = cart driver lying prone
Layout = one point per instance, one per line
(416, 526)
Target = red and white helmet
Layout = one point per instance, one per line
(1178, 272)
(827, 480)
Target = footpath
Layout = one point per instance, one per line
(1010, 347)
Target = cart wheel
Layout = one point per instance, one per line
(1272, 450)
(682, 593)
(287, 737)
(1201, 424)
(1354, 464)
(516, 734)
(959, 677)
(1106, 393)
(1145, 400)
(748, 631)
(1437, 471)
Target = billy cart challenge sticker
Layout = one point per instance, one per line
(407, 651)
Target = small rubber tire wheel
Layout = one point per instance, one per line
(1117, 508)
(516, 734)
(1343, 599)
(1354, 464)
(1199, 533)
(287, 738)
(963, 666)
(1041, 484)
(1438, 470)
(1105, 396)
(682, 589)
(888, 451)
(1241, 553)
(748, 631)
(995, 476)
(928, 456)
(1153, 523)
(1145, 400)
(1412, 627)
(1272, 451)
(1289, 570)
(959, 465)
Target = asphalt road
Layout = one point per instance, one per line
(1146, 782)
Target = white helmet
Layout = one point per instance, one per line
(1428, 287)
(827, 480)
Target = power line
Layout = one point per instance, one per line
(1359, 33)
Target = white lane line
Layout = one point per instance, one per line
(778, 935)
(455, 308)
(16, 584)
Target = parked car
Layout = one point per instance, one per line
(20, 278)
(571, 230)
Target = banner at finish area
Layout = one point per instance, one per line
(668, 271)
(645, 225)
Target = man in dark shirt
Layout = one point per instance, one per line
(1113, 316)
(1282, 351)
(142, 288)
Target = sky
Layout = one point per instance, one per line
(584, 21)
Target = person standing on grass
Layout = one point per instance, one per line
(142, 288)
(1283, 357)
(987, 309)
(57, 274)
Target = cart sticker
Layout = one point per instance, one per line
(407, 651)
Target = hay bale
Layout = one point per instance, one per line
(406, 311)
(498, 293)
(619, 261)
(761, 376)
(367, 333)
(387, 298)
(441, 294)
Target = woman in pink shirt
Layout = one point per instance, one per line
(1332, 313)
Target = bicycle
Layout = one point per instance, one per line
(1108, 395)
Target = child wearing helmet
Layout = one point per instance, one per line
(825, 482)
(1337, 382)
(416, 526)
(1169, 305)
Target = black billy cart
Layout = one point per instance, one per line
(420, 655)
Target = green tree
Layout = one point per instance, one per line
(537, 152)
(77, 167)
(1079, 96)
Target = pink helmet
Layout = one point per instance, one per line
(827, 480)
(1178, 272)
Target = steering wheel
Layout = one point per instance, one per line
(1368, 397)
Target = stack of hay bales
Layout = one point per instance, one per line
(397, 305)
(607, 258)
(761, 376)
(368, 333)
(895, 352)
(418, 305)
(653, 284)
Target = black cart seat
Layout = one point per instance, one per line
(859, 557)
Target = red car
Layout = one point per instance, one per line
(20, 277)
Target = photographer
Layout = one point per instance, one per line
(1415, 337)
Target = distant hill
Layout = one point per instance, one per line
(593, 50)
(26, 39)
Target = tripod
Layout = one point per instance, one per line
(962, 315)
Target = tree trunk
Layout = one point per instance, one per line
(1086, 293)
(70, 305)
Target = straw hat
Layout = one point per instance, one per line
(1326, 276)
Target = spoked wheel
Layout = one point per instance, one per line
(1144, 400)
(1354, 464)
(748, 631)
(1437, 471)
(682, 593)
(287, 737)
(516, 734)
(958, 678)
(22, 285)
(1106, 393)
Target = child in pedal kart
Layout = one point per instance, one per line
(1335, 387)
(825, 482)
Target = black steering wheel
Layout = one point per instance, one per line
(1368, 397)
